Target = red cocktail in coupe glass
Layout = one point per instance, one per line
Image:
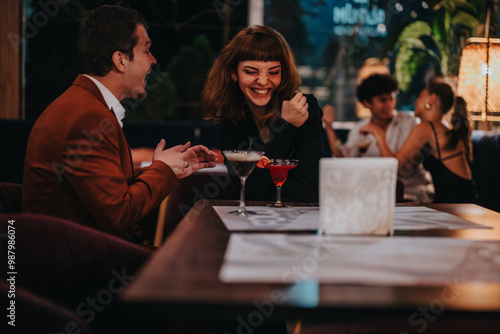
(279, 172)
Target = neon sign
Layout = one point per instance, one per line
(360, 18)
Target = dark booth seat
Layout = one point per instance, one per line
(35, 314)
(63, 267)
(13, 140)
(486, 169)
(10, 197)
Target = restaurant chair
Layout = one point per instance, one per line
(484, 168)
(203, 184)
(35, 314)
(77, 267)
(10, 197)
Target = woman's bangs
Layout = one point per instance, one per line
(261, 48)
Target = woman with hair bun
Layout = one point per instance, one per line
(251, 93)
(446, 152)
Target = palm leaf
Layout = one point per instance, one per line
(467, 20)
(411, 56)
(415, 30)
(465, 7)
(441, 25)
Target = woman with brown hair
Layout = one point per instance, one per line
(251, 94)
(446, 152)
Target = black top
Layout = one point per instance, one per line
(286, 141)
(448, 186)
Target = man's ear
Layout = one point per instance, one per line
(367, 104)
(120, 61)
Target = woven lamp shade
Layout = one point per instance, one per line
(479, 78)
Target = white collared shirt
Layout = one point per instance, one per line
(396, 133)
(111, 100)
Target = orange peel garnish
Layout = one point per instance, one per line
(263, 162)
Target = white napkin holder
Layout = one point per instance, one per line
(357, 195)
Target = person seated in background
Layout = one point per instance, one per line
(78, 163)
(446, 152)
(251, 94)
(370, 67)
(378, 93)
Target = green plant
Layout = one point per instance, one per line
(454, 21)
(417, 48)
(438, 44)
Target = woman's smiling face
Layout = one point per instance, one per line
(258, 80)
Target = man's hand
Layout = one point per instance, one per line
(295, 111)
(328, 115)
(183, 159)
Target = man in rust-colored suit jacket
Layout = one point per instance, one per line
(78, 163)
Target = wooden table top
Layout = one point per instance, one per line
(183, 276)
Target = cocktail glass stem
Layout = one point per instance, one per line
(278, 196)
(242, 210)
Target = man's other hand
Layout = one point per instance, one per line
(184, 159)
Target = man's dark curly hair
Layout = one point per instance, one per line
(374, 85)
(104, 31)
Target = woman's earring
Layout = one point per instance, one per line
(234, 79)
(427, 106)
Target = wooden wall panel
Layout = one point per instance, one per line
(10, 59)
